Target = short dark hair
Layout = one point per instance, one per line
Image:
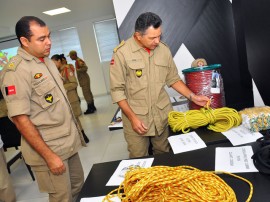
(62, 56)
(22, 27)
(56, 57)
(146, 20)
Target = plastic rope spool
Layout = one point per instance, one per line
(206, 80)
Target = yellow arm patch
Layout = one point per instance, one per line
(119, 46)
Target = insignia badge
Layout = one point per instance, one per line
(10, 90)
(138, 73)
(11, 65)
(49, 98)
(112, 62)
(38, 75)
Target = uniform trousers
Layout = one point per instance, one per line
(87, 93)
(138, 144)
(7, 193)
(65, 187)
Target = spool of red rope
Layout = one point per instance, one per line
(206, 80)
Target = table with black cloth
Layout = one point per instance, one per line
(203, 159)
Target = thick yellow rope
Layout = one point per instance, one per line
(172, 184)
(218, 120)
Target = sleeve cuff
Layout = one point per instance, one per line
(18, 108)
(172, 81)
(118, 96)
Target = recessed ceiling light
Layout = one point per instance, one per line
(57, 11)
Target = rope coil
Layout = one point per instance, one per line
(218, 120)
(171, 184)
(203, 81)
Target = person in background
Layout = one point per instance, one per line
(64, 62)
(139, 70)
(38, 106)
(84, 81)
(7, 193)
(70, 84)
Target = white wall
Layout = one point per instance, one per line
(90, 55)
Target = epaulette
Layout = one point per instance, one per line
(13, 63)
(119, 46)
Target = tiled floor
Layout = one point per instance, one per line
(104, 146)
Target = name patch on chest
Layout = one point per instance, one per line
(40, 81)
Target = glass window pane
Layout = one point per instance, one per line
(107, 38)
(64, 41)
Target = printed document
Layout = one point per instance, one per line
(186, 142)
(241, 135)
(234, 159)
(119, 175)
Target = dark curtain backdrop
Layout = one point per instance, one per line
(207, 29)
(254, 27)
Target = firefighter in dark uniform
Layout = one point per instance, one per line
(84, 81)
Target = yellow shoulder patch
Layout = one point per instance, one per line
(13, 63)
(119, 46)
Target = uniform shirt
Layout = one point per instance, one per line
(35, 88)
(70, 82)
(3, 108)
(81, 69)
(1, 142)
(140, 78)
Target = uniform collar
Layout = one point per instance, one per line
(135, 46)
(25, 55)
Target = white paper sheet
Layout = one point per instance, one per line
(119, 174)
(241, 135)
(99, 199)
(234, 159)
(117, 123)
(186, 142)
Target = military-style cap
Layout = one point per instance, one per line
(200, 62)
(72, 52)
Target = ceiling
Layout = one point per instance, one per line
(12, 10)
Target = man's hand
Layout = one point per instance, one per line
(138, 126)
(200, 100)
(56, 165)
(32, 136)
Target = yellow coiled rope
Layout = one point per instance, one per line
(172, 184)
(219, 120)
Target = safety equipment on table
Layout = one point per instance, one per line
(218, 120)
(180, 183)
(261, 156)
(205, 80)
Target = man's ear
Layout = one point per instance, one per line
(24, 41)
(138, 35)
